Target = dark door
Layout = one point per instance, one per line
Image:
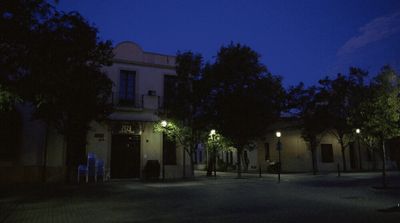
(125, 156)
(352, 156)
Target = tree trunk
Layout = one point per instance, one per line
(374, 165)
(344, 159)
(209, 162)
(343, 148)
(383, 164)
(44, 173)
(192, 156)
(209, 166)
(239, 164)
(314, 160)
(215, 161)
(192, 164)
(359, 153)
(183, 162)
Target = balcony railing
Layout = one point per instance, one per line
(134, 102)
(140, 101)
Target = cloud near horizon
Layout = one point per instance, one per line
(376, 30)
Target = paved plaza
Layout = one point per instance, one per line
(298, 198)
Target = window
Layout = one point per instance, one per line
(127, 87)
(266, 150)
(327, 153)
(169, 150)
(231, 157)
(170, 83)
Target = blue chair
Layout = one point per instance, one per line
(100, 172)
(89, 169)
(91, 165)
(82, 170)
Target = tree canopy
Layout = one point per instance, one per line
(52, 60)
(244, 97)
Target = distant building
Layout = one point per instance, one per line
(296, 154)
(126, 141)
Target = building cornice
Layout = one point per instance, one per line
(143, 64)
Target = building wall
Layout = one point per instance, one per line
(150, 69)
(296, 155)
(37, 140)
(31, 151)
(29, 163)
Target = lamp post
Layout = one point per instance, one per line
(279, 148)
(212, 135)
(358, 131)
(164, 126)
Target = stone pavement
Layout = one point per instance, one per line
(298, 198)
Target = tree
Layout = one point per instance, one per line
(184, 107)
(341, 96)
(380, 113)
(8, 99)
(176, 132)
(215, 143)
(58, 70)
(19, 22)
(244, 97)
(305, 104)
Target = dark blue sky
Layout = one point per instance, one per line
(301, 40)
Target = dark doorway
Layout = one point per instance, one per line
(125, 156)
(353, 160)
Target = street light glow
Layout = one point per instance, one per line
(278, 134)
(212, 132)
(164, 123)
(358, 131)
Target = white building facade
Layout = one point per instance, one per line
(126, 142)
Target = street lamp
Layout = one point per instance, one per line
(279, 148)
(212, 132)
(163, 125)
(212, 135)
(358, 131)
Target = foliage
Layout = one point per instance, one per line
(7, 99)
(186, 95)
(380, 113)
(174, 131)
(306, 105)
(243, 96)
(219, 143)
(19, 22)
(185, 102)
(55, 65)
(341, 97)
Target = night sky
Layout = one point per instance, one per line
(299, 40)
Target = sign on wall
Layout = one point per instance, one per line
(127, 128)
